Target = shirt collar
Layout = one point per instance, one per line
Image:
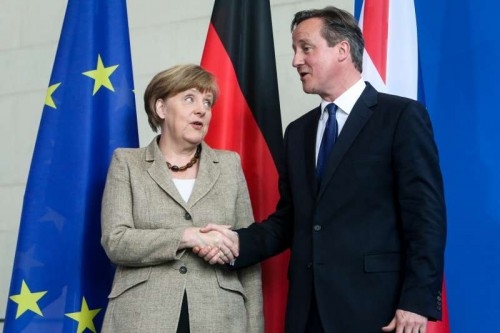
(346, 101)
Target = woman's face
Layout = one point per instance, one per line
(186, 115)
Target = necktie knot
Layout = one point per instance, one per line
(332, 110)
(328, 140)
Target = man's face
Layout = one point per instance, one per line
(316, 62)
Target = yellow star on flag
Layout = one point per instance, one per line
(27, 300)
(85, 317)
(48, 97)
(101, 75)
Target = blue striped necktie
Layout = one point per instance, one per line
(328, 140)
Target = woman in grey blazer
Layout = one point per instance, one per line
(155, 200)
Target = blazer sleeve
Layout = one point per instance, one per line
(250, 277)
(422, 211)
(124, 242)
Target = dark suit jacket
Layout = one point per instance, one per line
(370, 239)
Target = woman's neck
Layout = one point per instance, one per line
(181, 160)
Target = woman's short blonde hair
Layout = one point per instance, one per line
(172, 81)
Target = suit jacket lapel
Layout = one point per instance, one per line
(357, 119)
(159, 172)
(208, 173)
(310, 149)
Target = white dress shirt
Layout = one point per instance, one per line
(345, 103)
(185, 187)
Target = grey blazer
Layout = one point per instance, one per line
(143, 218)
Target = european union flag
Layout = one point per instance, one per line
(61, 274)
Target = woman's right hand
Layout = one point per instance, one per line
(212, 255)
(219, 240)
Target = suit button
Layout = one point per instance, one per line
(317, 227)
(187, 216)
(309, 264)
(183, 270)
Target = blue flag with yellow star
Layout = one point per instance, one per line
(61, 276)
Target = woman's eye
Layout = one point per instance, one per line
(208, 104)
(189, 99)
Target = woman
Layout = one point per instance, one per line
(156, 199)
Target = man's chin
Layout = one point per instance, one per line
(307, 89)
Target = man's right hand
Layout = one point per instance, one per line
(214, 255)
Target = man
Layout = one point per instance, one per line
(367, 234)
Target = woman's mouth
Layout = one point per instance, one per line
(197, 124)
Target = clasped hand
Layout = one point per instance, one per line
(217, 244)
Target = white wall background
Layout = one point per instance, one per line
(162, 33)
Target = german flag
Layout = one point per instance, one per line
(239, 51)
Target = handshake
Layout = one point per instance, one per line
(215, 243)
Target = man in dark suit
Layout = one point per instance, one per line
(367, 234)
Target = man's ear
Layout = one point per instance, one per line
(344, 50)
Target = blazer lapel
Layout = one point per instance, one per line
(159, 172)
(208, 173)
(360, 114)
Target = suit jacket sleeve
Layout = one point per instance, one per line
(422, 212)
(272, 236)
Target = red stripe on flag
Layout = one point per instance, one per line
(375, 27)
(233, 127)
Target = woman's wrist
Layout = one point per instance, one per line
(189, 238)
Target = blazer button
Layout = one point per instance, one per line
(183, 270)
(317, 227)
(187, 216)
(309, 265)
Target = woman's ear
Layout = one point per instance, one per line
(160, 108)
